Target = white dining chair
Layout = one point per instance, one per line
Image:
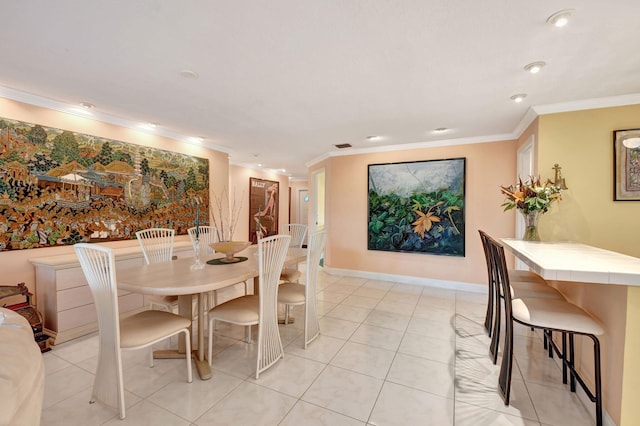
(205, 235)
(134, 332)
(291, 293)
(157, 247)
(258, 309)
(298, 232)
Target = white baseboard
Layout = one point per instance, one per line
(407, 279)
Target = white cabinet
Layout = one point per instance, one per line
(65, 300)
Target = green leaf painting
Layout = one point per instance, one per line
(417, 207)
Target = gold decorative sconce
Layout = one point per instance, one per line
(559, 180)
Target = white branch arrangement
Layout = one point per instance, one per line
(225, 221)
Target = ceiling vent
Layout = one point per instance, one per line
(343, 145)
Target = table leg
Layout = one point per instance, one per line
(185, 308)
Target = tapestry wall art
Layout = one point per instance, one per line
(59, 187)
(263, 208)
(417, 207)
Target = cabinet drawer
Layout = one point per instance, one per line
(70, 278)
(86, 314)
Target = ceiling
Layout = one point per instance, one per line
(281, 82)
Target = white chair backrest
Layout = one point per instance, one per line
(272, 252)
(315, 247)
(206, 235)
(97, 263)
(297, 231)
(156, 244)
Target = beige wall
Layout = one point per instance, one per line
(582, 143)
(296, 187)
(488, 165)
(15, 265)
(239, 183)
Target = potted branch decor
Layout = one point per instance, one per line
(224, 216)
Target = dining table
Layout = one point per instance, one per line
(178, 278)
(614, 280)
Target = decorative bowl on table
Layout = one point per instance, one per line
(230, 248)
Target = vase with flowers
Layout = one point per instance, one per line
(532, 199)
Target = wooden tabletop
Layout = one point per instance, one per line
(177, 278)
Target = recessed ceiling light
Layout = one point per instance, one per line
(192, 75)
(259, 164)
(195, 139)
(561, 18)
(519, 97)
(534, 67)
(86, 105)
(440, 130)
(374, 138)
(148, 126)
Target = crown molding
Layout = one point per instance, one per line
(415, 145)
(65, 108)
(608, 102)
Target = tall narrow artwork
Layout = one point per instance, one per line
(626, 146)
(263, 208)
(417, 207)
(58, 187)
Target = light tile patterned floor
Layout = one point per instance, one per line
(389, 354)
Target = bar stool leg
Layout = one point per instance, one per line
(564, 357)
(572, 383)
(598, 379)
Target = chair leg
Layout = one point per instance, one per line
(286, 314)
(572, 381)
(488, 319)
(187, 344)
(210, 343)
(598, 379)
(495, 338)
(506, 368)
(564, 356)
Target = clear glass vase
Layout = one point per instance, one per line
(531, 226)
(197, 263)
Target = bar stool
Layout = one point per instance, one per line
(523, 284)
(547, 314)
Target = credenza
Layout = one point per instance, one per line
(64, 298)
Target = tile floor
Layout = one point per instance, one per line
(389, 354)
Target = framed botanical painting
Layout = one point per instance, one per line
(263, 208)
(417, 207)
(626, 147)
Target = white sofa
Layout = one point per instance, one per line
(21, 372)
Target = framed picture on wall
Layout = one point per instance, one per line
(626, 153)
(263, 208)
(417, 207)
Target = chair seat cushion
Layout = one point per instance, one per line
(521, 289)
(243, 310)
(149, 326)
(290, 274)
(291, 293)
(555, 314)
